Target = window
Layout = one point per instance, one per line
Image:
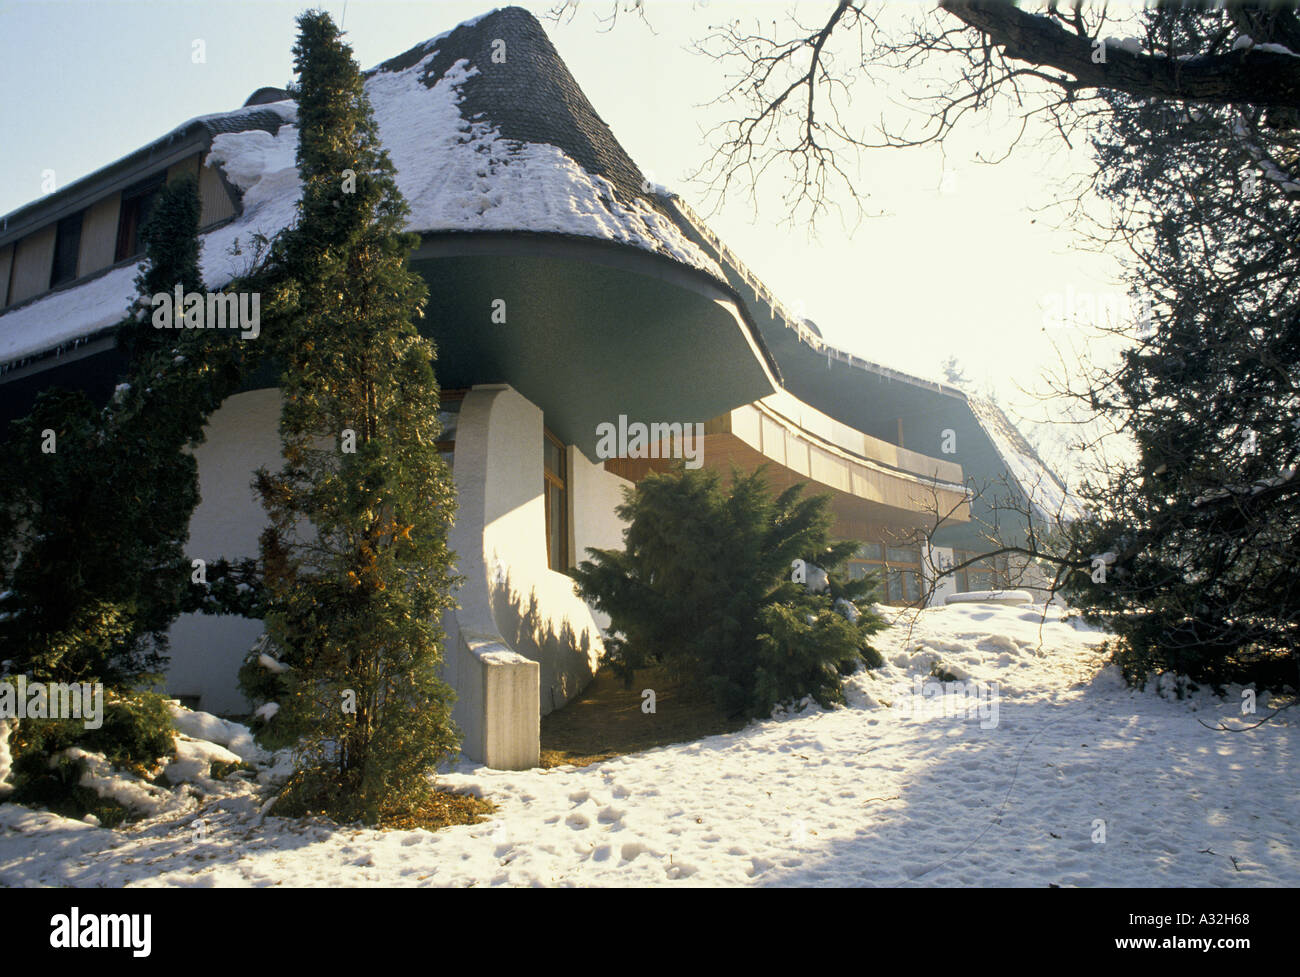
(557, 503)
(869, 559)
(448, 418)
(897, 567)
(993, 573)
(137, 202)
(903, 574)
(67, 244)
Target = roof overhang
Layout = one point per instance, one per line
(592, 330)
(177, 146)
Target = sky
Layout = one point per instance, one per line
(958, 259)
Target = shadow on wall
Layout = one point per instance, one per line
(567, 655)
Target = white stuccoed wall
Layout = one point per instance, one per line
(941, 557)
(206, 650)
(519, 622)
(594, 494)
(522, 642)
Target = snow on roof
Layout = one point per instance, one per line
(499, 163)
(1047, 493)
(259, 163)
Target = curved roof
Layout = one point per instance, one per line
(525, 92)
(485, 125)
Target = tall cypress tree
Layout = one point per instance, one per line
(357, 567)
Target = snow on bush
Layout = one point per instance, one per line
(193, 761)
(6, 759)
(236, 738)
(132, 792)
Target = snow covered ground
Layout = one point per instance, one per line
(1065, 776)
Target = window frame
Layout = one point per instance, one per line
(67, 234)
(447, 446)
(892, 591)
(554, 483)
(997, 570)
(132, 215)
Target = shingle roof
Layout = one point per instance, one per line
(530, 96)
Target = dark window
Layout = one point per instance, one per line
(897, 567)
(993, 573)
(137, 202)
(67, 244)
(448, 418)
(869, 559)
(557, 503)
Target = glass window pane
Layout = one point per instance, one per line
(67, 242)
(911, 587)
(556, 530)
(870, 551)
(551, 458)
(904, 554)
(448, 416)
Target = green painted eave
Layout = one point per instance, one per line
(592, 330)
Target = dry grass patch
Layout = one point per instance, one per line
(439, 809)
(606, 720)
(305, 797)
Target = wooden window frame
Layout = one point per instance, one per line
(67, 229)
(131, 218)
(885, 565)
(552, 483)
(449, 397)
(997, 569)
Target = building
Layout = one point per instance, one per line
(566, 293)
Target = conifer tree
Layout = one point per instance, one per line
(95, 506)
(724, 587)
(95, 502)
(1190, 548)
(357, 569)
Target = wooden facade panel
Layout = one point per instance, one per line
(6, 265)
(33, 260)
(798, 456)
(98, 235)
(186, 167)
(773, 443)
(215, 201)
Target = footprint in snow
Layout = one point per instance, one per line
(679, 870)
(757, 866)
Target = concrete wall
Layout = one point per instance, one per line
(594, 493)
(939, 558)
(207, 650)
(510, 602)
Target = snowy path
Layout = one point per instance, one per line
(890, 791)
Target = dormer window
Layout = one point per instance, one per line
(137, 202)
(67, 245)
